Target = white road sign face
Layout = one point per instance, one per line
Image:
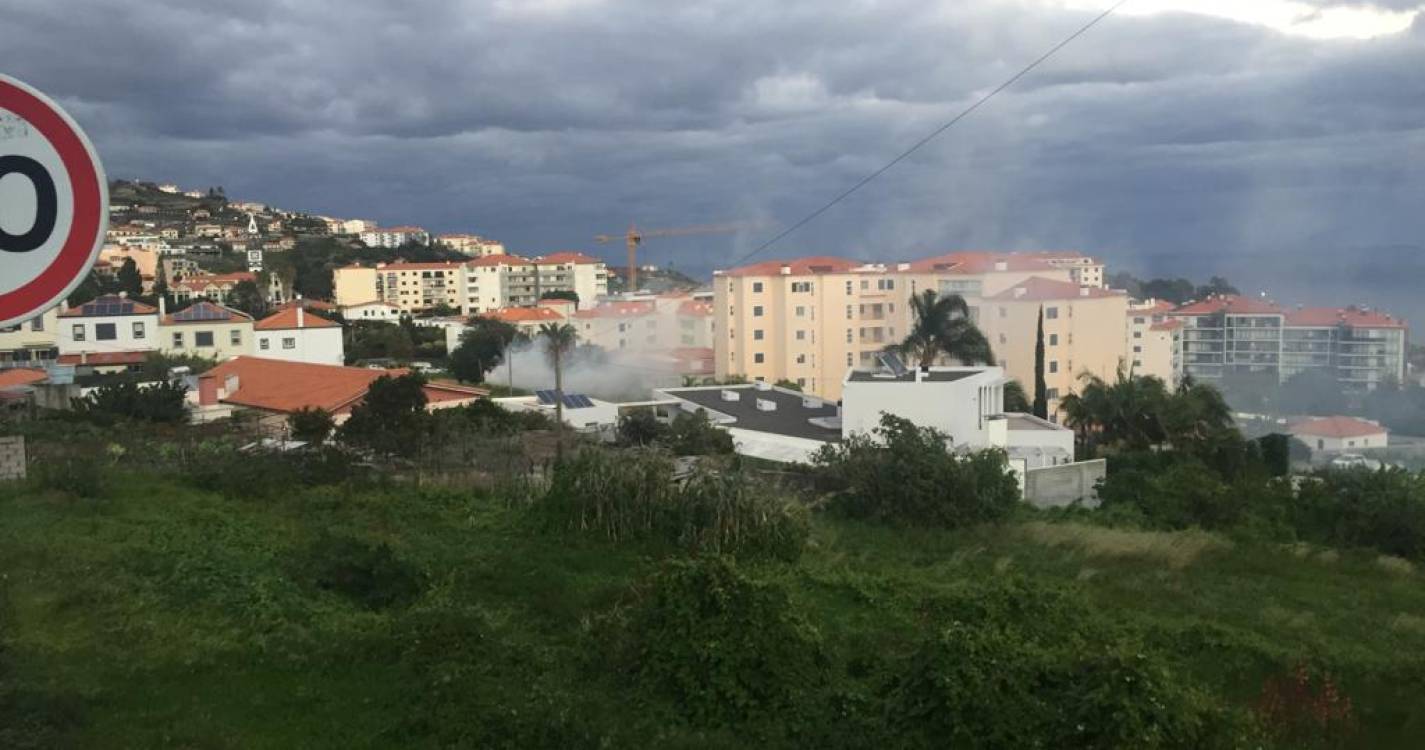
(54, 203)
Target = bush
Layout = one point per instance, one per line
(311, 424)
(695, 435)
(1361, 508)
(368, 574)
(724, 648)
(155, 402)
(640, 428)
(630, 496)
(84, 479)
(222, 468)
(905, 474)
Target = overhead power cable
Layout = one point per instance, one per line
(963, 114)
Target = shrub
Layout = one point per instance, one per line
(155, 402)
(630, 496)
(84, 479)
(640, 428)
(1381, 509)
(906, 474)
(696, 435)
(1303, 709)
(368, 574)
(391, 420)
(311, 424)
(723, 647)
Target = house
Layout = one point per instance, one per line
(374, 310)
(765, 421)
(297, 335)
(31, 342)
(1331, 434)
(277, 387)
(212, 286)
(205, 329)
(113, 330)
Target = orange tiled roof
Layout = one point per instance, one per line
(1167, 325)
(287, 320)
(1231, 304)
(695, 309)
(1337, 427)
(539, 314)
(1039, 289)
(616, 310)
(568, 257)
(104, 359)
(980, 261)
(503, 259)
(1158, 307)
(21, 376)
(283, 386)
(310, 304)
(401, 265)
(797, 267)
(1325, 317)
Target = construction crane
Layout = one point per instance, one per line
(635, 236)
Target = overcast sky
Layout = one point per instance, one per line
(1277, 141)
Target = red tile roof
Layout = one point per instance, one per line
(1167, 325)
(1158, 307)
(1230, 304)
(203, 281)
(540, 314)
(1039, 289)
(1337, 427)
(1327, 317)
(104, 359)
(205, 312)
(695, 309)
(310, 304)
(401, 265)
(21, 376)
(568, 257)
(798, 267)
(403, 229)
(287, 320)
(616, 310)
(281, 386)
(503, 259)
(91, 308)
(978, 262)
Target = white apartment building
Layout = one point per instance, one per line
(475, 286)
(392, 237)
(299, 335)
(31, 343)
(471, 244)
(108, 325)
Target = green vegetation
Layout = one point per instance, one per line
(162, 401)
(482, 348)
(310, 424)
(943, 328)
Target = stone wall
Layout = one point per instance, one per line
(1057, 486)
(12, 458)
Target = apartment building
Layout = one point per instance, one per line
(390, 237)
(1084, 332)
(31, 343)
(205, 329)
(475, 286)
(411, 287)
(1153, 346)
(209, 286)
(584, 275)
(809, 320)
(1235, 336)
(497, 281)
(1084, 270)
(472, 245)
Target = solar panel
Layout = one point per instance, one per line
(892, 361)
(577, 401)
(545, 397)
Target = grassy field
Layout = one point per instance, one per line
(163, 616)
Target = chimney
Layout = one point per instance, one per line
(162, 305)
(786, 270)
(1020, 291)
(207, 390)
(301, 317)
(1001, 265)
(230, 385)
(1083, 291)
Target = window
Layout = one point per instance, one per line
(1137, 350)
(291, 343)
(1051, 313)
(1053, 366)
(203, 338)
(1320, 444)
(757, 335)
(865, 284)
(178, 341)
(756, 287)
(622, 327)
(138, 329)
(802, 382)
(1137, 363)
(758, 358)
(235, 338)
(1053, 339)
(801, 311)
(106, 331)
(1138, 321)
(1137, 334)
(1051, 393)
(78, 333)
(801, 286)
(801, 359)
(1002, 339)
(756, 311)
(848, 287)
(37, 324)
(262, 344)
(848, 359)
(1004, 312)
(848, 312)
(801, 335)
(848, 335)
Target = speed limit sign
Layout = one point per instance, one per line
(54, 203)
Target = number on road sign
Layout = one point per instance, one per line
(54, 203)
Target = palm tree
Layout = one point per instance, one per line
(561, 337)
(943, 326)
(1195, 414)
(1128, 411)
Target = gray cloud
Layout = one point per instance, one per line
(1169, 143)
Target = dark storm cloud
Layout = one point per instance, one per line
(1171, 143)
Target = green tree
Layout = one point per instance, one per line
(1127, 412)
(391, 419)
(1041, 388)
(695, 435)
(246, 297)
(1015, 399)
(560, 338)
(378, 340)
(162, 402)
(640, 427)
(483, 345)
(1217, 286)
(130, 281)
(943, 326)
(311, 424)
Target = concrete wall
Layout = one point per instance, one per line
(12, 457)
(1057, 486)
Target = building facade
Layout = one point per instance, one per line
(108, 325)
(206, 329)
(31, 343)
(392, 237)
(299, 335)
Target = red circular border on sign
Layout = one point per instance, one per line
(74, 256)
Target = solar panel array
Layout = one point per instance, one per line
(107, 307)
(892, 361)
(199, 312)
(571, 400)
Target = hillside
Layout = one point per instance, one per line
(222, 606)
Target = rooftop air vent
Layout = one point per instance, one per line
(762, 385)
(811, 403)
(1001, 265)
(766, 405)
(731, 396)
